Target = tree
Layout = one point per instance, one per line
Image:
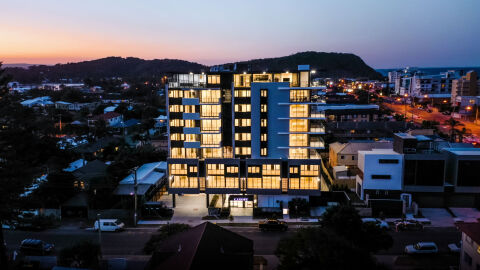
(453, 124)
(462, 133)
(163, 233)
(346, 222)
(318, 248)
(298, 207)
(82, 255)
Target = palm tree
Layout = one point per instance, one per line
(462, 133)
(452, 123)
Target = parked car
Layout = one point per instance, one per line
(109, 225)
(454, 247)
(35, 247)
(272, 225)
(378, 222)
(9, 225)
(422, 248)
(446, 113)
(408, 225)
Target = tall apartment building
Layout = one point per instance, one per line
(437, 87)
(467, 85)
(255, 135)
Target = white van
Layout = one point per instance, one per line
(109, 225)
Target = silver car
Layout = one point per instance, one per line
(422, 248)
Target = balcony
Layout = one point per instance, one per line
(190, 101)
(191, 130)
(317, 129)
(191, 144)
(317, 144)
(191, 116)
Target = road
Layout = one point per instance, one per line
(420, 115)
(131, 241)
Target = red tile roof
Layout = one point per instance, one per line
(472, 229)
(107, 116)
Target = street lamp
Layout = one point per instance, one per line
(135, 188)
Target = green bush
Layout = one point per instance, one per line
(85, 254)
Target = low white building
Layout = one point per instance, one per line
(381, 172)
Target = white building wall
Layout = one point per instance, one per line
(369, 163)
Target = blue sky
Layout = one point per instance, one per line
(384, 33)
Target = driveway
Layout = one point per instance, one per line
(439, 217)
(189, 208)
(466, 214)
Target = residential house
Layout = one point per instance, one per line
(206, 246)
(470, 246)
(151, 178)
(346, 154)
(91, 175)
(111, 119)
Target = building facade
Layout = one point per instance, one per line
(244, 134)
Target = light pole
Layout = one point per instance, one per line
(135, 188)
(99, 234)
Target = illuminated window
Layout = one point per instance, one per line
(299, 95)
(210, 96)
(243, 108)
(191, 152)
(243, 136)
(243, 122)
(312, 170)
(211, 139)
(232, 169)
(212, 152)
(264, 92)
(217, 169)
(263, 152)
(263, 137)
(189, 123)
(299, 125)
(210, 110)
(213, 79)
(294, 183)
(241, 80)
(178, 152)
(308, 182)
(175, 93)
(243, 151)
(190, 94)
(262, 77)
(298, 153)
(177, 137)
(293, 169)
(263, 122)
(176, 169)
(193, 169)
(271, 169)
(253, 169)
(298, 140)
(271, 182)
(242, 93)
(231, 182)
(263, 108)
(176, 123)
(176, 108)
(189, 108)
(216, 181)
(211, 125)
(299, 110)
(191, 138)
(254, 182)
(182, 181)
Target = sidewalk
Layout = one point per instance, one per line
(239, 220)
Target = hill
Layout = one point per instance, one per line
(333, 65)
(327, 65)
(129, 67)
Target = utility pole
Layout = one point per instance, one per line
(99, 234)
(135, 188)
